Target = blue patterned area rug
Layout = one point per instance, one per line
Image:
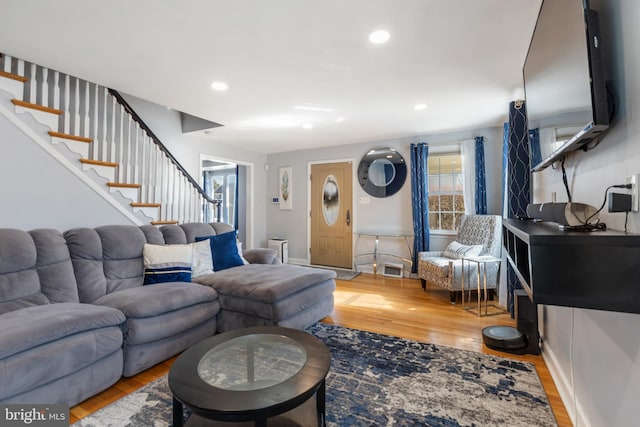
(378, 380)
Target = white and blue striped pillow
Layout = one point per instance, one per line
(167, 263)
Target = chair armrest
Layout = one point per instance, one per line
(430, 254)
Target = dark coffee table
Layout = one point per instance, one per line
(252, 375)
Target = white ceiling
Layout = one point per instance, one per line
(461, 57)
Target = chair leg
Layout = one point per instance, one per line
(453, 296)
(424, 284)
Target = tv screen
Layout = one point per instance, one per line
(564, 85)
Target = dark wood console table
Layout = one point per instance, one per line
(597, 270)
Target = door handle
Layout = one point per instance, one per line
(348, 217)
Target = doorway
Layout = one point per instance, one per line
(227, 182)
(331, 234)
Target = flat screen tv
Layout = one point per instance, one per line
(565, 88)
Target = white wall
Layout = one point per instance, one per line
(391, 214)
(187, 149)
(37, 192)
(594, 355)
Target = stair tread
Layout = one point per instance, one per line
(98, 163)
(25, 104)
(123, 185)
(146, 205)
(69, 136)
(13, 76)
(164, 222)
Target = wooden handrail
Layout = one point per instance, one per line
(160, 145)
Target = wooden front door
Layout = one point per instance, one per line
(331, 214)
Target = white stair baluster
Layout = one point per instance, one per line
(111, 139)
(118, 141)
(135, 158)
(20, 69)
(56, 90)
(44, 89)
(158, 180)
(95, 114)
(144, 163)
(76, 108)
(87, 105)
(33, 85)
(67, 111)
(148, 174)
(6, 66)
(155, 184)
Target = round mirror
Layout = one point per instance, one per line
(382, 172)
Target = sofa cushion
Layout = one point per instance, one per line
(167, 263)
(224, 250)
(35, 269)
(85, 248)
(158, 299)
(23, 374)
(34, 326)
(122, 256)
(265, 283)
(195, 229)
(152, 234)
(55, 270)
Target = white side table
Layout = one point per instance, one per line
(481, 263)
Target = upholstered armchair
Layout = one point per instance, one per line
(478, 235)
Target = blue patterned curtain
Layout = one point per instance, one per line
(518, 176)
(481, 185)
(419, 200)
(519, 165)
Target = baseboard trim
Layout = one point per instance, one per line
(565, 389)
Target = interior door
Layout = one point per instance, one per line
(332, 214)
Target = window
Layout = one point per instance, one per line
(446, 200)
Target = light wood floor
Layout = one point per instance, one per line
(397, 307)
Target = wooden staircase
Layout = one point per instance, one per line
(100, 143)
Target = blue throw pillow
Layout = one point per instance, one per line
(224, 250)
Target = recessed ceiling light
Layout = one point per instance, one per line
(379, 36)
(307, 126)
(219, 86)
(419, 107)
(304, 107)
(340, 120)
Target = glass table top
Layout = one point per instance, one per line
(252, 362)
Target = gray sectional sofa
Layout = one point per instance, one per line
(75, 316)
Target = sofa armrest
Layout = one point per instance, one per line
(261, 256)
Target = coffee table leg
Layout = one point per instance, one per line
(177, 413)
(320, 405)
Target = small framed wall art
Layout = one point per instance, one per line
(284, 187)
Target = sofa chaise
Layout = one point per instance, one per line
(264, 292)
